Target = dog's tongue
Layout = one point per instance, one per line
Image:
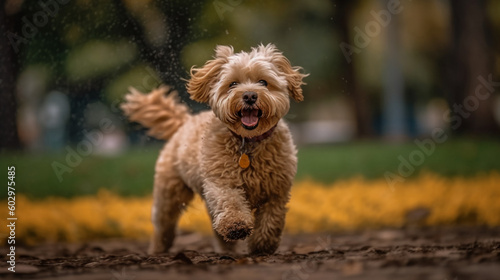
(249, 117)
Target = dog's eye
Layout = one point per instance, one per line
(233, 84)
(263, 82)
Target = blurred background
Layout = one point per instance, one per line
(379, 69)
(396, 88)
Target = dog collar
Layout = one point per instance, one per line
(245, 158)
(258, 138)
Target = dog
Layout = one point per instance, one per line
(239, 157)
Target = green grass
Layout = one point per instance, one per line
(373, 159)
(128, 174)
(132, 173)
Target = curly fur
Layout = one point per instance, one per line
(202, 153)
(163, 115)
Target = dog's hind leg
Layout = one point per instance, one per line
(171, 196)
(269, 224)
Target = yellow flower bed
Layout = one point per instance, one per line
(345, 205)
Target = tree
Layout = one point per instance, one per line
(9, 68)
(357, 96)
(471, 58)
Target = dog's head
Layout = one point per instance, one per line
(249, 92)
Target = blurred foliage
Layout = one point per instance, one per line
(97, 44)
(94, 50)
(92, 40)
(97, 58)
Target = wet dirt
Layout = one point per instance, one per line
(457, 253)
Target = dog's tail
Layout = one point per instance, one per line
(163, 115)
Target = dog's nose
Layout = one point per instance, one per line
(250, 97)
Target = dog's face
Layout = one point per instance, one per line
(249, 92)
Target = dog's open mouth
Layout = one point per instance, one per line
(250, 117)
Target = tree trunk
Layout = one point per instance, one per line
(9, 138)
(471, 58)
(357, 97)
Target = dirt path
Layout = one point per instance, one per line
(441, 254)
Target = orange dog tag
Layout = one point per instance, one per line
(244, 161)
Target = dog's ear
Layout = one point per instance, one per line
(292, 73)
(224, 51)
(202, 79)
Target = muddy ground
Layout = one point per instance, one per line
(432, 253)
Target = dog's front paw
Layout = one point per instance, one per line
(233, 229)
(238, 230)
